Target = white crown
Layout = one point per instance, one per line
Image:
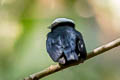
(62, 20)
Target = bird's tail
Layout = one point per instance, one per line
(71, 56)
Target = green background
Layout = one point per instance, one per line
(24, 26)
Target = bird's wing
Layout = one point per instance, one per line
(53, 45)
(69, 45)
(81, 45)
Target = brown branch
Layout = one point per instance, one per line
(55, 68)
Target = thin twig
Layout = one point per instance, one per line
(55, 68)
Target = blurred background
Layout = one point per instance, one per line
(23, 30)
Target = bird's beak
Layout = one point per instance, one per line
(49, 27)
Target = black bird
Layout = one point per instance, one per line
(64, 43)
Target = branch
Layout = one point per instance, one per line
(55, 68)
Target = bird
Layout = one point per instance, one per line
(64, 43)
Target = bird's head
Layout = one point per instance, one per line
(61, 22)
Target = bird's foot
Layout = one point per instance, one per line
(82, 60)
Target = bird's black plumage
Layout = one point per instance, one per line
(64, 43)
